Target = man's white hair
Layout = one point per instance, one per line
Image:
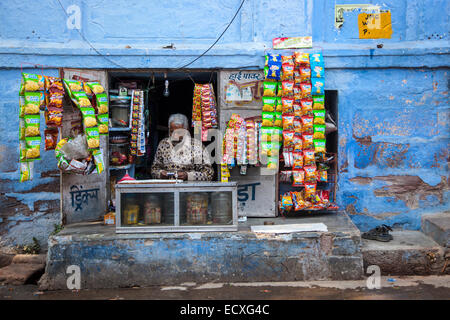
(179, 118)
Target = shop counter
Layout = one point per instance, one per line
(176, 207)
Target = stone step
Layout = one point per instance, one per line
(437, 226)
(30, 258)
(409, 253)
(21, 273)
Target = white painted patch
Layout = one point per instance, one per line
(211, 285)
(74, 19)
(173, 288)
(189, 284)
(290, 228)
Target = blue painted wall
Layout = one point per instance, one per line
(393, 101)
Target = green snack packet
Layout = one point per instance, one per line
(270, 89)
(22, 151)
(92, 138)
(33, 102)
(95, 87)
(102, 103)
(266, 133)
(73, 86)
(279, 105)
(81, 100)
(26, 171)
(103, 124)
(319, 116)
(318, 102)
(31, 82)
(21, 105)
(320, 145)
(267, 119)
(33, 148)
(21, 129)
(31, 125)
(98, 160)
(279, 89)
(319, 131)
(278, 121)
(277, 135)
(269, 104)
(89, 119)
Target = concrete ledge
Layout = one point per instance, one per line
(437, 226)
(410, 253)
(109, 260)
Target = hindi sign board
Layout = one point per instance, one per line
(241, 89)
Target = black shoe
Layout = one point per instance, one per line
(380, 233)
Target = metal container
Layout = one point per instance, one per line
(152, 209)
(197, 208)
(222, 211)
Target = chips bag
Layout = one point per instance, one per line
(310, 173)
(98, 160)
(298, 160)
(26, 171)
(287, 71)
(322, 176)
(32, 125)
(101, 100)
(88, 115)
(318, 85)
(53, 117)
(103, 124)
(33, 146)
(306, 89)
(51, 139)
(319, 102)
(93, 138)
(317, 71)
(319, 116)
(310, 189)
(21, 129)
(287, 104)
(307, 141)
(287, 59)
(81, 100)
(73, 86)
(268, 119)
(298, 142)
(266, 134)
(320, 145)
(288, 122)
(297, 93)
(278, 120)
(305, 74)
(33, 102)
(316, 59)
(307, 124)
(298, 127)
(279, 89)
(309, 157)
(307, 107)
(269, 104)
(288, 139)
(288, 88)
(270, 89)
(301, 58)
(286, 202)
(32, 82)
(319, 131)
(297, 109)
(95, 87)
(298, 178)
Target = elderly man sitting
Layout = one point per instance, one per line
(179, 153)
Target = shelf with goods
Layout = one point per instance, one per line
(294, 91)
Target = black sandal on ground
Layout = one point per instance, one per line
(380, 233)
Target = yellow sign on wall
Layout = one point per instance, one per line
(375, 25)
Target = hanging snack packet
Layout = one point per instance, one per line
(306, 89)
(298, 177)
(32, 82)
(21, 129)
(73, 86)
(22, 151)
(319, 102)
(53, 85)
(98, 160)
(272, 163)
(51, 138)
(288, 140)
(297, 78)
(298, 160)
(269, 104)
(298, 127)
(322, 176)
(307, 124)
(53, 117)
(297, 200)
(287, 59)
(89, 120)
(317, 86)
(301, 58)
(96, 87)
(26, 171)
(277, 135)
(307, 141)
(288, 88)
(297, 109)
(33, 102)
(273, 59)
(316, 59)
(309, 157)
(278, 120)
(279, 89)
(93, 138)
(287, 71)
(298, 142)
(266, 134)
(279, 105)
(319, 116)
(297, 93)
(270, 89)
(319, 131)
(32, 125)
(307, 107)
(33, 146)
(55, 101)
(267, 119)
(320, 145)
(288, 122)
(310, 173)
(310, 189)
(81, 100)
(305, 74)
(102, 124)
(286, 202)
(274, 72)
(287, 104)
(101, 100)
(317, 71)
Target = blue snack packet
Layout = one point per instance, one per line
(318, 85)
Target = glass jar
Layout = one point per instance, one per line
(152, 209)
(197, 208)
(130, 214)
(221, 203)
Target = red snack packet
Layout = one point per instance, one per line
(298, 127)
(51, 138)
(309, 157)
(298, 177)
(308, 141)
(310, 173)
(307, 123)
(298, 160)
(307, 106)
(298, 142)
(306, 89)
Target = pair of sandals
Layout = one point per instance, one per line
(380, 233)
